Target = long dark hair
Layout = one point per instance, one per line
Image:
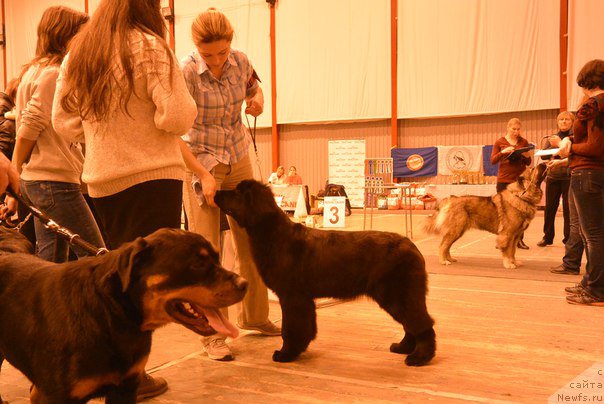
(90, 78)
(56, 28)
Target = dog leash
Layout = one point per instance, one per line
(253, 136)
(8, 223)
(72, 238)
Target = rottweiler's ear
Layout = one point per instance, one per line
(128, 259)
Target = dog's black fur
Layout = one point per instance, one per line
(300, 264)
(83, 329)
(11, 241)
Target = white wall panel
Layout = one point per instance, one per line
(333, 60)
(475, 56)
(251, 22)
(22, 18)
(585, 42)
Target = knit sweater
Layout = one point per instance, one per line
(52, 158)
(128, 149)
(509, 170)
(587, 150)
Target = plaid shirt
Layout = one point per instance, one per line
(218, 134)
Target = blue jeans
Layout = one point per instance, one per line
(573, 249)
(588, 193)
(62, 202)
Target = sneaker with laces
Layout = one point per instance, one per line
(574, 290)
(586, 299)
(268, 328)
(218, 350)
(150, 387)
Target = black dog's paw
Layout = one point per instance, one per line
(424, 350)
(418, 359)
(406, 346)
(281, 356)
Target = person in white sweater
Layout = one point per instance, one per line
(121, 91)
(51, 166)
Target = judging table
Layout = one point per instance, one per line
(406, 205)
(445, 190)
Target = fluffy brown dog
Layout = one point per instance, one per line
(506, 214)
(300, 264)
(83, 329)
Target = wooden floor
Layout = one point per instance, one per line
(503, 336)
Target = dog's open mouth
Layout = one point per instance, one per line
(202, 320)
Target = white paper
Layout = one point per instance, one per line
(546, 152)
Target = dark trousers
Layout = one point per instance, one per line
(588, 193)
(554, 189)
(140, 210)
(573, 248)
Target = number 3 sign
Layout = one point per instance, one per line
(334, 210)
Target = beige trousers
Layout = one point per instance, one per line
(205, 220)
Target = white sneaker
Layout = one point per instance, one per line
(218, 350)
(269, 328)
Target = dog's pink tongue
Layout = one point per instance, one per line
(220, 323)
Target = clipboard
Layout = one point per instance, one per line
(516, 154)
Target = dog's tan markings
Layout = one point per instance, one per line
(204, 252)
(138, 368)
(87, 386)
(155, 280)
(84, 387)
(35, 397)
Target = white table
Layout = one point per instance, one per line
(445, 190)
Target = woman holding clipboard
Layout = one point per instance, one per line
(512, 152)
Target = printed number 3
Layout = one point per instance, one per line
(334, 215)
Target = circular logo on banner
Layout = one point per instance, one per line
(415, 162)
(459, 159)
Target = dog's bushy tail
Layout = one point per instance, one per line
(434, 222)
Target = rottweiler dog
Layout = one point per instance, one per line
(83, 329)
(300, 264)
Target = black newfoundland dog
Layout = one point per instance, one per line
(300, 264)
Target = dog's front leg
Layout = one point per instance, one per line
(299, 326)
(509, 253)
(125, 393)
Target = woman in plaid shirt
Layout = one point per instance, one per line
(220, 79)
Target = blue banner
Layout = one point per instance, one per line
(487, 167)
(417, 162)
